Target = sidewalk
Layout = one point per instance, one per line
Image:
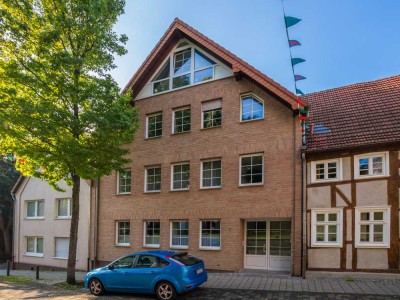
(260, 282)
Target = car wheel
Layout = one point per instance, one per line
(96, 287)
(165, 291)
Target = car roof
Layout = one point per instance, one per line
(157, 252)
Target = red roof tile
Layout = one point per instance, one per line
(360, 114)
(177, 30)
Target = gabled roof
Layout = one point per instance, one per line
(17, 185)
(356, 115)
(177, 30)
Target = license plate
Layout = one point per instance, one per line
(199, 271)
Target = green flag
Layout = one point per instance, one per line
(299, 92)
(290, 21)
(297, 60)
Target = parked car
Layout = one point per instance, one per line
(165, 273)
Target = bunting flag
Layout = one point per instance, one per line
(299, 77)
(293, 43)
(290, 21)
(297, 60)
(303, 113)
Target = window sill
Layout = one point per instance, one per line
(123, 194)
(214, 127)
(372, 246)
(63, 218)
(210, 248)
(180, 190)
(179, 247)
(60, 258)
(253, 120)
(151, 192)
(325, 180)
(251, 184)
(151, 246)
(34, 254)
(34, 218)
(371, 176)
(179, 133)
(211, 188)
(153, 137)
(326, 245)
(122, 245)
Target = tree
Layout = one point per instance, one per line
(63, 115)
(8, 177)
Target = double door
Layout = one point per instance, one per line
(268, 245)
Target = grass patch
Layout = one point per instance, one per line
(349, 279)
(15, 279)
(77, 286)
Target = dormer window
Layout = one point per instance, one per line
(185, 66)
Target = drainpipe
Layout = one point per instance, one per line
(12, 238)
(95, 221)
(304, 214)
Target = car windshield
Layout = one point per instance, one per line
(186, 259)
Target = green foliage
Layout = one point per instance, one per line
(61, 113)
(16, 279)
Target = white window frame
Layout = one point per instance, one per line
(145, 179)
(172, 246)
(201, 235)
(35, 217)
(144, 234)
(241, 107)
(339, 227)
(339, 170)
(386, 226)
(240, 169)
(117, 233)
(173, 119)
(192, 71)
(69, 212)
(201, 174)
(118, 190)
(172, 176)
(147, 125)
(35, 253)
(385, 165)
(55, 247)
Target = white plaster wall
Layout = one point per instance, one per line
(349, 257)
(346, 165)
(372, 259)
(372, 193)
(319, 197)
(324, 258)
(50, 227)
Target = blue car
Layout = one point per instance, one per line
(165, 273)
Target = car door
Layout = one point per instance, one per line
(117, 276)
(147, 267)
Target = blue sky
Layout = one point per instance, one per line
(343, 41)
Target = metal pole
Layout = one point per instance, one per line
(37, 272)
(8, 267)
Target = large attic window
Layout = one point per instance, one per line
(185, 66)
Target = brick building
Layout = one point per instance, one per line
(216, 164)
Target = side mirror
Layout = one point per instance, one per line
(111, 267)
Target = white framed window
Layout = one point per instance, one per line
(154, 124)
(34, 246)
(251, 108)
(179, 234)
(210, 234)
(372, 227)
(371, 165)
(181, 120)
(187, 65)
(61, 246)
(123, 233)
(326, 227)
(251, 169)
(326, 170)
(153, 179)
(180, 176)
(211, 114)
(63, 208)
(124, 181)
(211, 174)
(35, 209)
(152, 234)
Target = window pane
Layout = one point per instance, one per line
(161, 86)
(210, 232)
(39, 245)
(203, 75)
(378, 216)
(30, 244)
(365, 216)
(182, 121)
(125, 181)
(320, 171)
(182, 61)
(62, 246)
(363, 162)
(180, 233)
(181, 81)
(320, 217)
(201, 61)
(332, 217)
(252, 108)
(63, 207)
(32, 209)
(163, 73)
(364, 233)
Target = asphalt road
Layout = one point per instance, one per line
(37, 291)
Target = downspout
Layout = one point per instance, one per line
(96, 221)
(304, 214)
(13, 237)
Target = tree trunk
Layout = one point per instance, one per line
(73, 236)
(7, 235)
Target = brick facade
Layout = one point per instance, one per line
(277, 136)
